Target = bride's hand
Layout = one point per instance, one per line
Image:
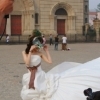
(33, 47)
(45, 48)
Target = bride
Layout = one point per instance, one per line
(59, 83)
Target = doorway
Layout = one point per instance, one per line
(16, 27)
(61, 26)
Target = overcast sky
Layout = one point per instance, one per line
(93, 3)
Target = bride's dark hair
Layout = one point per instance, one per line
(36, 33)
(29, 45)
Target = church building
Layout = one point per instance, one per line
(49, 16)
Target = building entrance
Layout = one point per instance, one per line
(16, 27)
(61, 26)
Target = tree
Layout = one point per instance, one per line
(91, 32)
(98, 8)
(36, 32)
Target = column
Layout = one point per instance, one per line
(71, 24)
(86, 27)
(66, 25)
(8, 26)
(97, 26)
(51, 22)
(32, 20)
(23, 22)
(28, 22)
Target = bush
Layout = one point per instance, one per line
(91, 32)
(36, 32)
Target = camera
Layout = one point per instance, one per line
(88, 92)
(92, 95)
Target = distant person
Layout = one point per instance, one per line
(7, 39)
(51, 39)
(64, 43)
(56, 43)
(44, 40)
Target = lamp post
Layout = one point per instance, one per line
(96, 23)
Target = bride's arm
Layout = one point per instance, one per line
(46, 58)
(27, 57)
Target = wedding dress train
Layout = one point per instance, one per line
(66, 81)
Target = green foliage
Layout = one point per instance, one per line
(99, 30)
(36, 33)
(91, 32)
(98, 8)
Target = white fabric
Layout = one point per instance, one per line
(63, 67)
(60, 83)
(7, 39)
(44, 40)
(64, 39)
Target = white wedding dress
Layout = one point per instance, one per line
(63, 82)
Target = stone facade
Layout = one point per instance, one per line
(96, 24)
(46, 17)
(92, 16)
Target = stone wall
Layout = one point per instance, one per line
(47, 19)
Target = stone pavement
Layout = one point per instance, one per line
(12, 66)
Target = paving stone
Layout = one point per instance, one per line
(12, 66)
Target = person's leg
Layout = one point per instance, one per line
(50, 41)
(57, 46)
(6, 41)
(65, 46)
(62, 46)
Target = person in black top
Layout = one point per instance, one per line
(56, 43)
(51, 39)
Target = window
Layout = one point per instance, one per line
(86, 20)
(83, 29)
(86, 8)
(60, 11)
(36, 18)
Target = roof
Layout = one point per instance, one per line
(92, 13)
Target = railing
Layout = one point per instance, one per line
(16, 39)
(71, 38)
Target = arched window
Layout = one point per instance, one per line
(60, 11)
